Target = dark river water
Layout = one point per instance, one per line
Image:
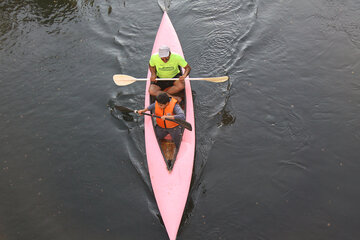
(278, 146)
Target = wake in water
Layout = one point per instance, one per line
(132, 126)
(220, 44)
(164, 4)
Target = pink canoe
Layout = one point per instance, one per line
(170, 187)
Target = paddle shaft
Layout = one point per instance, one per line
(182, 123)
(123, 80)
(174, 79)
(223, 79)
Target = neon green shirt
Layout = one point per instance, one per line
(169, 69)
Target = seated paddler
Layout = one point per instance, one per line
(168, 108)
(167, 64)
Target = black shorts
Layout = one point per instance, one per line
(165, 84)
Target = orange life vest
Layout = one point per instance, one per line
(168, 110)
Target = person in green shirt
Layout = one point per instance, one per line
(166, 64)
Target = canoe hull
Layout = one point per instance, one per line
(170, 188)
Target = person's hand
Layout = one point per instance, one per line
(182, 78)
(153, 79)
(140, 112)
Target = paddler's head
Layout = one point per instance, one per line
(164, 53)
(163, 100)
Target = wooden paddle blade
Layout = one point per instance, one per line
(217, 79)
(123, 80)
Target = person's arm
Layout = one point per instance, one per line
(153, 73)
(178, 114)
(186, 72)
(140, 112)
(149, 108)
(152, 68)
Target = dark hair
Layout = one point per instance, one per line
(163, 98)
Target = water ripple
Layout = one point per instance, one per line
(339, 16)
(229, 35)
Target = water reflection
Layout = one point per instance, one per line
(41, 11)
(15, 13)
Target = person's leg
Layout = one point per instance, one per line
(160, 132)
(176, 134)
(158, 87)
(154, 90)
(177, 87)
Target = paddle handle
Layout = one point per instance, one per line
(123, 80)
(136, 111)
(152, 115)
(180, 122)
(174, 79)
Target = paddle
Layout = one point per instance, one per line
(182, 123)
(123, 80)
